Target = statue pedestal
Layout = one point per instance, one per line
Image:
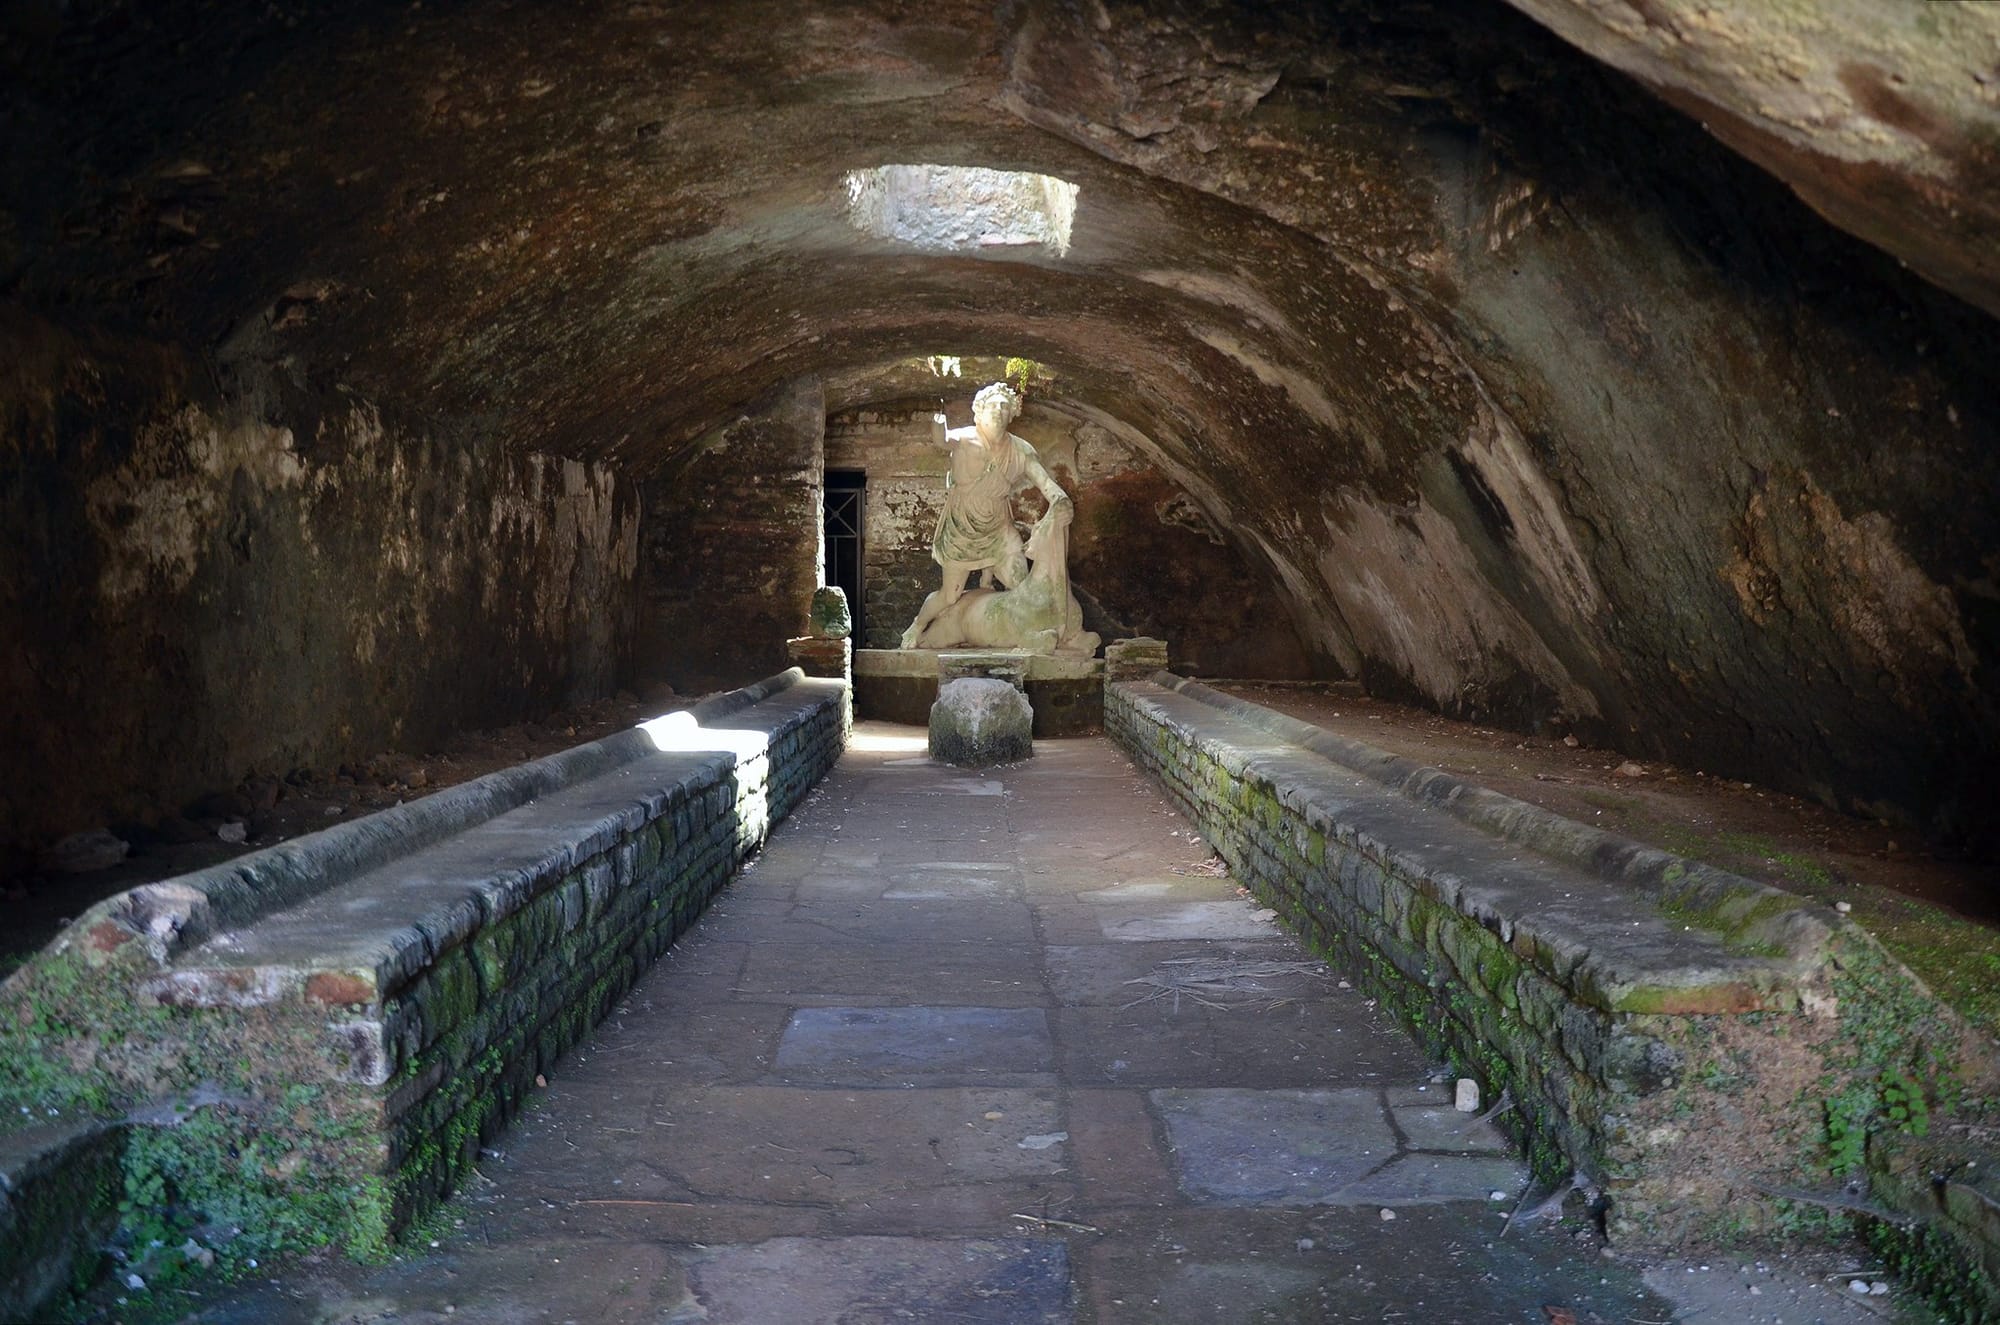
(900, 685)
(1009, 665)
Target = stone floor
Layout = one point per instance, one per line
(987, 1047)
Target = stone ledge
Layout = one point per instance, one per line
(900, 685)
(59, 1189)
(1614, 950)
(1625, 1015)
(1744, 911)
(388, 992)
(924, 663)
(439, 896)
(182, 912)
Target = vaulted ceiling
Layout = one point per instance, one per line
(1535, 401)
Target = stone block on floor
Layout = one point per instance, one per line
(977, 722)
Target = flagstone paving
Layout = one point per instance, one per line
(988, 1047)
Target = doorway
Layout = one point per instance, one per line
(843, 505)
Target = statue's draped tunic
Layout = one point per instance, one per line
(976, 526)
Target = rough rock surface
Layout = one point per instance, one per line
(978, 721)
(1525, 397)
(1885, 116)
(829, 617)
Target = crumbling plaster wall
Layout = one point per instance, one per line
(1692, 474)
(192, 591)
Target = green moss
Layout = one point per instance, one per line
(1959, 959)
(286, 1188)
(59, 1016)
(1728, 917)
(1889, 1028)
(1932, 1261)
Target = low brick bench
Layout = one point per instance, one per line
(363, 1007)
(1673, 1033)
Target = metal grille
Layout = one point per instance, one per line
(843, 505)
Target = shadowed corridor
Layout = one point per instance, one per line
(996, 1046)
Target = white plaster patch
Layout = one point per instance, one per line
(1497, 453)
(1321, 630)
(1413, 595)
(1228, 291)
(157, 513)
(1305, 393)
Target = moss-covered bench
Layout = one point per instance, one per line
(1712, 1055)
(310, 1042)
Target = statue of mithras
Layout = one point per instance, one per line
(1023, 599)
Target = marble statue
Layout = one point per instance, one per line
(1023, 599)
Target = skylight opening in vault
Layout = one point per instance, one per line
(962, 209)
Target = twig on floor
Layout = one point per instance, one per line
(1215, 983)
(1065, 1224)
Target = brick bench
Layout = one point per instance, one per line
(365, 1006)
(1675, 1034)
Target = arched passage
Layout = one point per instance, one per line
(1527, 401)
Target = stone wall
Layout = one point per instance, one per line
(900, 508)
(362, 1009)
(733, 545)
(1676, 1037)
(1142, 548)
(59, 1192)
(196, 586)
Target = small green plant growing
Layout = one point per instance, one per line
(144, 1205)
(1846, 1136)
(1024, 374)
(1895, 1100)
(1903, 1104)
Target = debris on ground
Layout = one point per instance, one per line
(1220, 983)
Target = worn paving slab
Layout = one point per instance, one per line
(860, 1045)
(982, 1048)
(977, 1281)
(1277, 1147)
(1157, 1044)
(1444, 1264)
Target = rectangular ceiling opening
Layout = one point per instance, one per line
(962, 208)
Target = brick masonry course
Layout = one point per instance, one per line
(378, 1001)
(1710, 1055)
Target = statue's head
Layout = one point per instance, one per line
(999, 402)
